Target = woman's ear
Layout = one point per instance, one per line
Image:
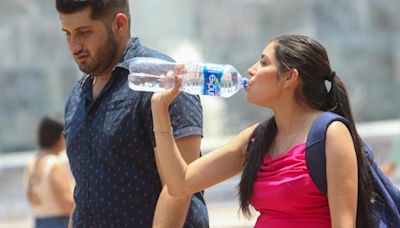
(292, 78)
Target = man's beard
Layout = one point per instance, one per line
(102, 58)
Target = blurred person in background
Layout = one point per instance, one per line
(390, 166)
(289, 78)
(109, 127)
(47, 178)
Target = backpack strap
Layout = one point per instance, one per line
(315, 148)
(385, 205)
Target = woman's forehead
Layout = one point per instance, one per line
(269, 51)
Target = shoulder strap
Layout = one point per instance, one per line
(315, 148)
(386, 203)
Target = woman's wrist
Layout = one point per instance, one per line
(162, 123)
(159, 111)
(161, 131)
(159, 106)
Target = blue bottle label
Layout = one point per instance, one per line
(212, 78)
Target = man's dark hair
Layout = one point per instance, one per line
(49, 131)
(103, 10)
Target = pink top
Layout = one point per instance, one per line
(285, 194)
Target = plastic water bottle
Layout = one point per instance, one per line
(154, 75)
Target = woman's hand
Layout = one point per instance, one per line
(165, 98)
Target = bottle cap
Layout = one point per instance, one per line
(244, 82)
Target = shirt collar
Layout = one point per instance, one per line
(129, 53)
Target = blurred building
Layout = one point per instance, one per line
(37, 72)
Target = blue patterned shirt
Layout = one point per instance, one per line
(110, 145)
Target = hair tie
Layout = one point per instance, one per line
(330, 76)
(328, 81)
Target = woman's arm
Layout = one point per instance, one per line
(341, 166)
(171, 211)
(181, 178)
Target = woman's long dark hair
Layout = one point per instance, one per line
(311, 61)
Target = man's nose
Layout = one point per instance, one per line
(74, 46)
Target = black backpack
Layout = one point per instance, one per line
(386, 206)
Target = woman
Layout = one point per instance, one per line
(49, 182)
(289, 78)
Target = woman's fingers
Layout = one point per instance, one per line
(166, 97)
(177, 84)
(171, 93)
(180, 69)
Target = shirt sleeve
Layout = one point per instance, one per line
(186, 115)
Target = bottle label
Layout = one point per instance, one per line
(212, 78)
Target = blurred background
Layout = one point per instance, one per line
(37, 72)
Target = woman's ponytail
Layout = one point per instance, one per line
(338, 102)
(337, 98)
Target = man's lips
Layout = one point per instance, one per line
(81, 58)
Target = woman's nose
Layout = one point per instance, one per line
(252, 70)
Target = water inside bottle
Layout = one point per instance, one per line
(149, 82)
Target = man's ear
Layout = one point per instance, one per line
(120, 24)
(292, 78)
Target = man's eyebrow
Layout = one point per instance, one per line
(79, 28)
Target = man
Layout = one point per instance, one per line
(109, 131)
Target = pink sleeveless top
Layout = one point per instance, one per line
(285, 194)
